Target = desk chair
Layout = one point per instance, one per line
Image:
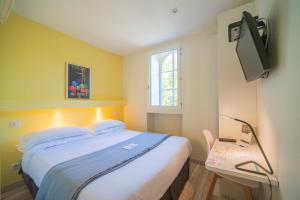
(246, 184)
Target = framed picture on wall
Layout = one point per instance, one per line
(78, 82)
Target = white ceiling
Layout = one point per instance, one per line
(124, 26)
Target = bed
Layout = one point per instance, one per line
(159, 174)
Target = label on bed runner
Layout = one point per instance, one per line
(130, 146)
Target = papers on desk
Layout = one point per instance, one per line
(224, 156)
(228, 154)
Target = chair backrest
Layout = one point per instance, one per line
(209, 140)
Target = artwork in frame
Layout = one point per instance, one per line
(78, 82)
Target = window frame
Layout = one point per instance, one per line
(160, 108)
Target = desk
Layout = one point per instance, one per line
(225, 155)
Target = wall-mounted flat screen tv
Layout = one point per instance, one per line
(251, 49)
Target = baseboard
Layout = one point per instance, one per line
(12, 186)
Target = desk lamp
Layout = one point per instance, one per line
(239, 166)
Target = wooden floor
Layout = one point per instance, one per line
(195, 189)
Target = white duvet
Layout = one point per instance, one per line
(147, 177)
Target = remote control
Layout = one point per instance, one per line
(227, 140)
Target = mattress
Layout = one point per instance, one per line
(147, 177)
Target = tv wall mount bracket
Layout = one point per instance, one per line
(234, 29)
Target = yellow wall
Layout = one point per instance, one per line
(32, 63)
(32, 84)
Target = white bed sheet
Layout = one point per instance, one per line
(147, 177)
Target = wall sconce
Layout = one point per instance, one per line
(99, 116)
(57, 119)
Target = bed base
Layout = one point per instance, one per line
(172, 193)
(177, 186)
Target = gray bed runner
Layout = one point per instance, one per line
(65, 180)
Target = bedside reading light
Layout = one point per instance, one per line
(238, 166)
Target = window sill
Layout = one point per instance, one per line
(164, 110)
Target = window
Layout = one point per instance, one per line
(163, 79)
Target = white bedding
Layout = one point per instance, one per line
(147, 177)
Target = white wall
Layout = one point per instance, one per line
(213, 90)
(279, 96)
(276, 103)
(199, 109)
(165, 123)
(237, 98)
(135, 91)
(198, 63)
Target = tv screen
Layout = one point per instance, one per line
(251, 49)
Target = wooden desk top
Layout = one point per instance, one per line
(225, 155)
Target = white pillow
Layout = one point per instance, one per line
(51, 144)
(51, 135)
(107, 125)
